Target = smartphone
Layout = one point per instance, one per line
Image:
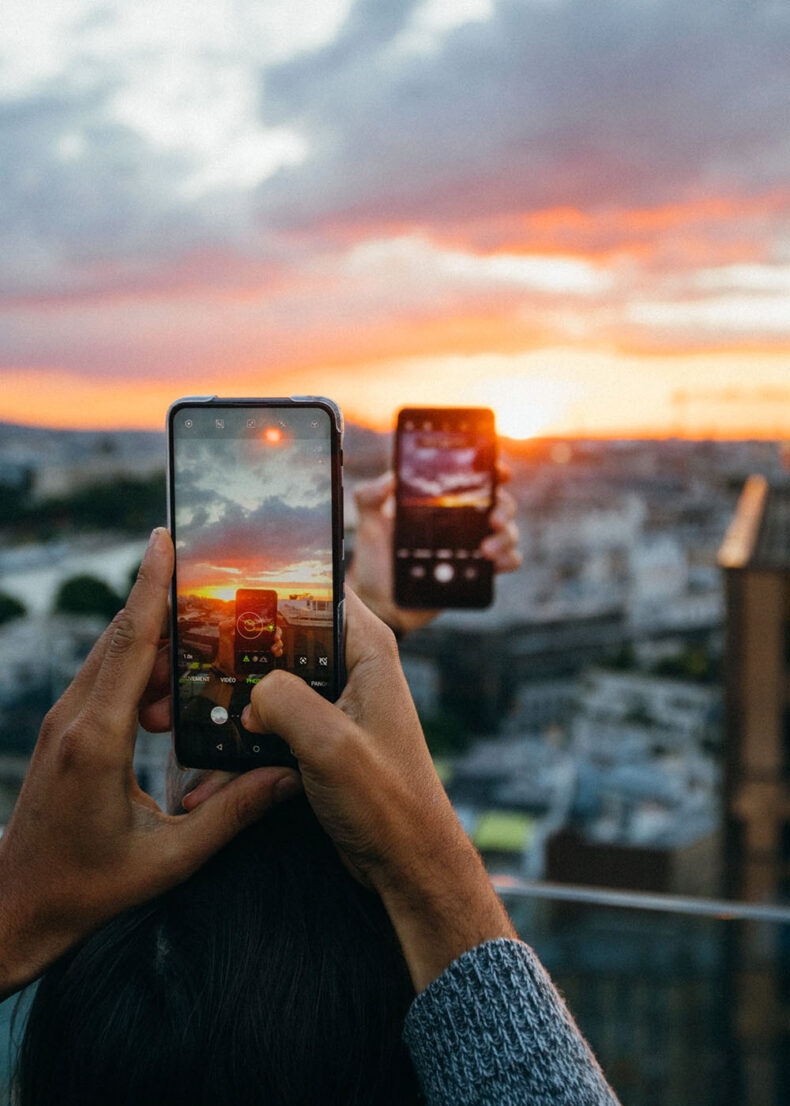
(255, 508)
(445, 466)
(255, 628)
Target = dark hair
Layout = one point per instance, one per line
(269, 977)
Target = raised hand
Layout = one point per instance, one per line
(85, 842)
(371, 572)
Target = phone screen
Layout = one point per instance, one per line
(445, 461)
(255, 515)
(255, 629)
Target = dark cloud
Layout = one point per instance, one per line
(218, 476)
(274, 536)
(90, 208)
(85, 202)
(617, 103)
(240, 505)
(551, 103)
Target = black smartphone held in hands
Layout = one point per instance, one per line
(445, 467)
(255, 504)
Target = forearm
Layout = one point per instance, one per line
(493, 1031)
(487, 1028)
(441, 902)
(26, 946)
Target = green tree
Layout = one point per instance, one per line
(10, 608)
(693, 663)
(87, 595)
(131, 504)
(625, 658)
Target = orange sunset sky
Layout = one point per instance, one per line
(577, 214)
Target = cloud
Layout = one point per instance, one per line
(226, 477)
(412, 259)
(265, 188)
(129, 139)
(274, 536)
(133, 142)
(614, 104)
(753, 316)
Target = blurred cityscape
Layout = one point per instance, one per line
(619, 718)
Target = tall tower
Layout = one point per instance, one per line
(755, 557)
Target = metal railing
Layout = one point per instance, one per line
(725, 909)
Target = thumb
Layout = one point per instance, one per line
(373, 494)
(230, 809)
(282, 703)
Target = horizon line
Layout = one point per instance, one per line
(638, 434)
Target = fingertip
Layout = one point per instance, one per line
(287, 787)
(158, 543)
(509, 563)
(251, 718)
(190, 801)
(157, 562)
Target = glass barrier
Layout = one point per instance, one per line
(684, 1001)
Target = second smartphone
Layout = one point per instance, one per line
(255, 507)
(445, 467)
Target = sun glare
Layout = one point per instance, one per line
(526, 407)
(225, 593)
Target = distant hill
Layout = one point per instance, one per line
(31, 447)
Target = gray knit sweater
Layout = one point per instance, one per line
(493, 1031)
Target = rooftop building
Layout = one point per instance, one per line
(755, 557)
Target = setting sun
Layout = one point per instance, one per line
(526, 407)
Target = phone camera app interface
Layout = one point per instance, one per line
(446, 476)
(253, 531)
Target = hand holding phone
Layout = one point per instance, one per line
(85, 842)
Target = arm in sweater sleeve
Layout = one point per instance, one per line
(493, 1031)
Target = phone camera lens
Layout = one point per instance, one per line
(188, 423)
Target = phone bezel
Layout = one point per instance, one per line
(241, 763)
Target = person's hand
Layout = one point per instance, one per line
(371, 781)
(85, 842)
(371, 571)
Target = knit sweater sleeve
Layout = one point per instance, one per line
(493, 1031)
